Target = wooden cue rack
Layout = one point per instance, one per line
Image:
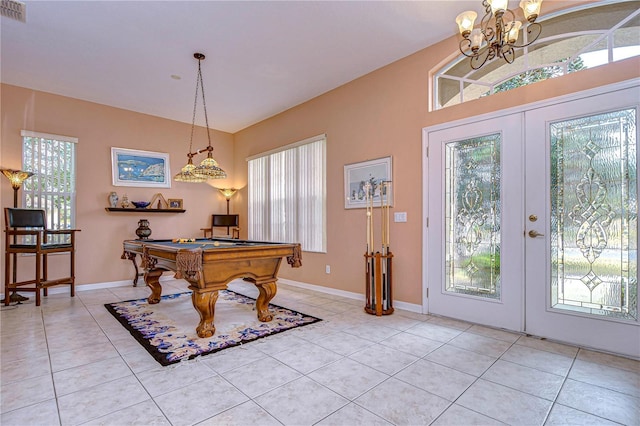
(378, 287)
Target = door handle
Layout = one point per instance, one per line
(534, 234)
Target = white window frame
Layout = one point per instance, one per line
(280, 208)
(59, 205)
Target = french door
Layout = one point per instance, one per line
(475, 256)
(581, 209)
(532, 221)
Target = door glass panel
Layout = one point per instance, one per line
(594, 215)
(472, 224)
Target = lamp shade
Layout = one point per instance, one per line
(187, 174)
(531, 9)
(209, 169)
(465, 22)
(16, 177)
(498, 5)
(514, 30)
(227, 192)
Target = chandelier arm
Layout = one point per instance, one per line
(512, 18)
(535, 29)
(509, 54)
(201, 150)
(506, 25)
(464, 49)
(487, 7)
(477, 62)
(487, 31)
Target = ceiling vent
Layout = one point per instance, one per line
(14, 10)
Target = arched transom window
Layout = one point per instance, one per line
(571, 40)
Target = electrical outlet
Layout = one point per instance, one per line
(327, 269)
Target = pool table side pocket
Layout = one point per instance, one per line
(189, 264)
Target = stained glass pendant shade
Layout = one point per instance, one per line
(208, 168)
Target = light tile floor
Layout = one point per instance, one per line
(70, 362)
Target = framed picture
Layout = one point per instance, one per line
(131, 167)
(357, 175)
(175, 203)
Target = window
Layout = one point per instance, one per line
(52, 160)
(571, 41)
(287, 194)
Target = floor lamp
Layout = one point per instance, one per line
(228, 193)
(16, 177)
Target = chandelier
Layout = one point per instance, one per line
(498, 32)
(208, 168)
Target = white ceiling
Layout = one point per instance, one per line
(262, 57)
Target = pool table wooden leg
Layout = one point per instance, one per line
(205, 304)
(151, 278)
(267, 292)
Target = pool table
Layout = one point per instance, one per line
(209, 265)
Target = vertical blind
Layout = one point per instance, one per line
(287, 195)
(52, 160)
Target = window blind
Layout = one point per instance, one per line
(52, 160)
(287, 195)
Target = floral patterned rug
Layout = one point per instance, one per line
(167, 330)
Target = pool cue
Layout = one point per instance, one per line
(387, 263)
(382, 242)
(384, 207)
(367, 264)
(366, 258)
(372, 271)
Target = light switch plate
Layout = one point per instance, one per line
(400, 217)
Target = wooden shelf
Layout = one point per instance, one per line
(120, 209)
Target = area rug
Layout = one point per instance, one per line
(167, 330)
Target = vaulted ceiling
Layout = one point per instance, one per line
(262, 57)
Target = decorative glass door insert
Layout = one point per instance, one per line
(472, 216)
(594, 215)
(532, 220)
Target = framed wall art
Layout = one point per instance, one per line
(356, 176)
(131, 167)
(175, 203)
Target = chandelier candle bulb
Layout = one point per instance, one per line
(514, 31)
(476, 39)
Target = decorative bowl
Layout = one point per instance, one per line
(140, 204)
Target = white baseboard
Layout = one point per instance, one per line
(94, 286)
(411, 307)
(128, 283)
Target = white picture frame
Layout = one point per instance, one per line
(132, 167)
(372, 171)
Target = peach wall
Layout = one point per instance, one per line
(381, 114)
(98, 128)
